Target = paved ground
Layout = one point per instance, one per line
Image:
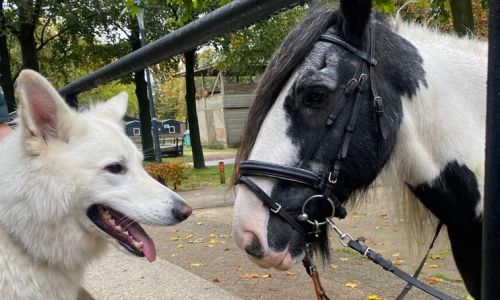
(204, 246)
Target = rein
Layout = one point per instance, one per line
(325, 184)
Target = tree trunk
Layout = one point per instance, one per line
(194, 131)
(142, 98)
(28, 18)
(463, 20)
(5, 71)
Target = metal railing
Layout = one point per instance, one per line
(233, 16)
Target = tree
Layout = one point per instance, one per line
(247, 51)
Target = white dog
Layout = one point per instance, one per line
(68, 181)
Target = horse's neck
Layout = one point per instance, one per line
(444, 122)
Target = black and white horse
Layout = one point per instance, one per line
(433, 88)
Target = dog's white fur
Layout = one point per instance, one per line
(52, 169)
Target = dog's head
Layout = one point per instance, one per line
(86, 177)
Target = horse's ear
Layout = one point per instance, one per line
(355, 17)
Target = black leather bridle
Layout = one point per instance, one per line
(323, 184)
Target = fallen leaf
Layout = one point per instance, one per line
(225, 236)
(434, 266)
(433, 280)
(213, 235)
(397, 262)
(196, 264)
(383, 216)
(180, 246)
(174, 255)
(289, 273)
(239, 268)
(215, 280)
(199, 223)
(210, 246)
(175, 238)
(395, 254)
(212, 241)
(250, 276)
(344, 259)
(436, 256)
(333, 266)
(378, 227)
(469, 297)
(373, 297)
(351, 285)
(265, 275)
(189, 236)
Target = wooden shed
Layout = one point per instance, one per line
(222, 113)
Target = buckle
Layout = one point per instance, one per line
(277, 209)
(379, 104)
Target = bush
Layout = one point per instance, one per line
(168, 173)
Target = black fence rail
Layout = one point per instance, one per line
(233, 16)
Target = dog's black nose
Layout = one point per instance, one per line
(182, 211)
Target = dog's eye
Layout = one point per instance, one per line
(116, 168)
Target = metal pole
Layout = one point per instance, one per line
(233, 16)
(152, 113)
(491, 216)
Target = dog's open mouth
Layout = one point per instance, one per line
(125, 230)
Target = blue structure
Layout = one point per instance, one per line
(133, 128)
(168, 126)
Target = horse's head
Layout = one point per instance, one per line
(305, 84)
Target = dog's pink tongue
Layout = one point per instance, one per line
(148, 247)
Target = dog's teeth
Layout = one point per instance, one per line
(138, 245)
(118, 227)
(126, 232)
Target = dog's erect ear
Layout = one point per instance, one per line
(115, 108)
(42, 110)
(355, 17)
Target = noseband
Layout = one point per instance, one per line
(322, 184)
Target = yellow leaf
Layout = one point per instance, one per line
(189, 236)
(333, 266)
(469, 297)
(373, 297)
(351, 285)
(378, 227)
(289, 273)
(213, 235)
(344, 259)
(433, 280)
(180, 246)
(196, 241)
(196, 264)
(434, 266)
(199, 223)
(212, 241)
(436, 256)
(175, 238)
(395, 254)
(265, 275)
(250, 276)
(397, 262)
(225, 236)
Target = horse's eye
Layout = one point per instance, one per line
(315, 97)
(116, 168)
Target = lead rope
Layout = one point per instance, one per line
(347, 241)
(312, 271)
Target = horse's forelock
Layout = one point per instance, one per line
(291, 53)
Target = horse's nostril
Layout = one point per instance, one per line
(182, 212)
(255, 248)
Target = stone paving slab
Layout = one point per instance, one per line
(120, 276)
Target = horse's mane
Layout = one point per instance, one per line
(291, 53)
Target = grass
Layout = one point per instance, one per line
(207, 152)
(204, 178)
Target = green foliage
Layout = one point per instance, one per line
(385, 6)
(104, 92)
(247, 52)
